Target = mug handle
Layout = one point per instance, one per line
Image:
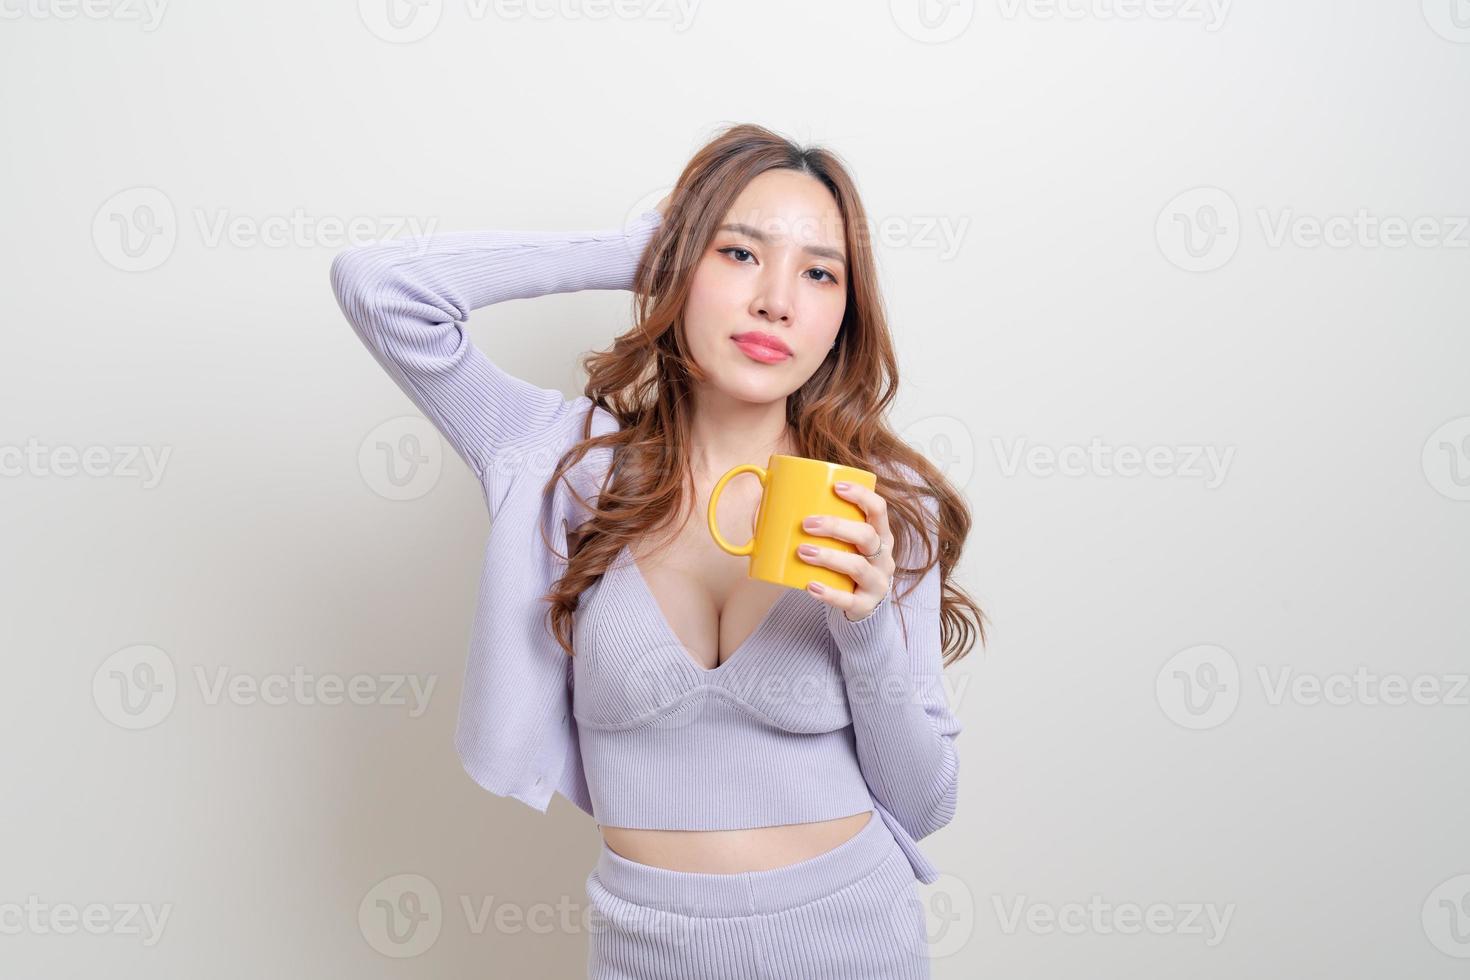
(714, 500)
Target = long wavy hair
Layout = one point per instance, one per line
(645, 380)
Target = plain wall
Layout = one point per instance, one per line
(1182, 754)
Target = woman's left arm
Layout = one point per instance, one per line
(894, 676)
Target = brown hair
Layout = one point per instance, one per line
(644, 381)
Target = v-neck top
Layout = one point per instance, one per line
(666, 631)
(762, 739)
(813, 716)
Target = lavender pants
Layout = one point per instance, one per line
(850, 913)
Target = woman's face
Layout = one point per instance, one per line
(769, 292)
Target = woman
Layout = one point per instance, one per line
(759, 760)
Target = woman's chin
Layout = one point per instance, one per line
(744, 385)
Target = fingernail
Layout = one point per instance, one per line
(807, 549)
(840, 485)
(815, 587)
(811, 523)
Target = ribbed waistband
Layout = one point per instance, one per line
(747, 892)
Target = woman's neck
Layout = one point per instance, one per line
(726, 432)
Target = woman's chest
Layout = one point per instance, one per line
(704, 596)
(631, 668)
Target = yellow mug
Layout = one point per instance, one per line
(795, 488)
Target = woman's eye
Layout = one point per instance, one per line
(735, 252)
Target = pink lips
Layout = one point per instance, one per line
(763, 347)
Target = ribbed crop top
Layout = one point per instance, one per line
(764, 738)
(812, 717)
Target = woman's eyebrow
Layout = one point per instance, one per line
(834, 254)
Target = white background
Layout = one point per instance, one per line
(1055, 276)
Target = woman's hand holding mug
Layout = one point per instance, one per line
(805, 500)
(871, 568)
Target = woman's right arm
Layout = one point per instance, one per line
(408, 301)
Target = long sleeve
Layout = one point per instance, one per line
(902, 721)
(408, 300)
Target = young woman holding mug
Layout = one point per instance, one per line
(760, 759)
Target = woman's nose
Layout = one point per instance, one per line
(773, 302)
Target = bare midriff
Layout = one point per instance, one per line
(732, 851)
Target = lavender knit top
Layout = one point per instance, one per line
(812, 717)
